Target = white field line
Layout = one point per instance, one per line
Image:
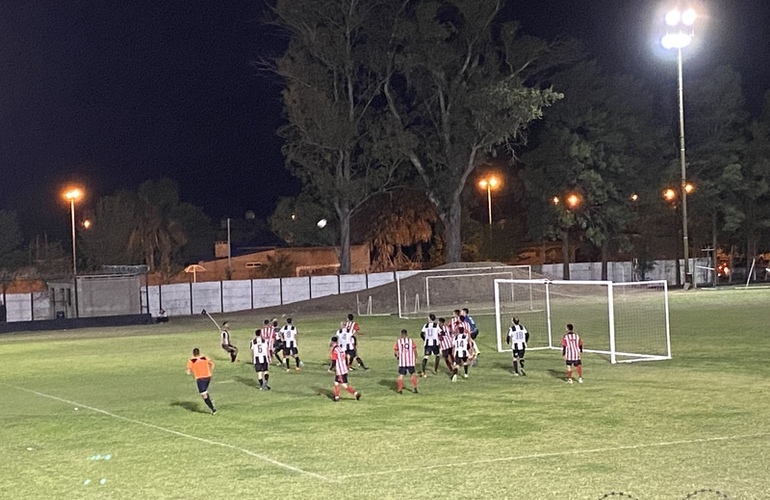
(535, 456)
(182, 434)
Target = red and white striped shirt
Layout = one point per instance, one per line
(405, 349)
(445, 338)
(352, 326)
(340, 360)
(571, 346)
(268, 334)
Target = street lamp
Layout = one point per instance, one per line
(489, 184)
(679, 34)
(72, 195)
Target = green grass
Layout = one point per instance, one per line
(657, 430)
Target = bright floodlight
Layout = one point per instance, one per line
(321, 223)
(73, 194)
(676, 40)
(688, 17)
(673, 17)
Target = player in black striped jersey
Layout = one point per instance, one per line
(518, 336)
(260, 355)
(430, 336)
(288, 333)
(226, 344)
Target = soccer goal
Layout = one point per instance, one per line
(626, 321)
(443, 290)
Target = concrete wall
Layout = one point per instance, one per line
(183, 299)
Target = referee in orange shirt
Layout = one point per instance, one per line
(201, 367)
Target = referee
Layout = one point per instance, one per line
(201, 367)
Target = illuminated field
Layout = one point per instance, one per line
(656, 430)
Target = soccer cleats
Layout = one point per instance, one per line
(357, 395)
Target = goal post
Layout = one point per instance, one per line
(626, 321)
(421, 292)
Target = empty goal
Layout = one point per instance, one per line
(437, 290)
(626, 321)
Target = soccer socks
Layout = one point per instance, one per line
(580, 371)
(278, 357)
(336, 392)
(297, 362)
(424, 364)
(435, 364)
(361, 363)
(350, 390)
(208, 402)
(414, 381)
(516, 367)
(569, 375)
(465, 368)
(287, 363)
(400, 385)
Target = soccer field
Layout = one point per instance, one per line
(110, 413)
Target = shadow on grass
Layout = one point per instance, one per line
(558, 374)
(189, 406)
(389, 383)
(247, 381)
(324, 392)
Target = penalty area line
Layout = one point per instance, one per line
(535, 456)
(182, 434)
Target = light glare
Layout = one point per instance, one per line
(673, 17)
(688, 17)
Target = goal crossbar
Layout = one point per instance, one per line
(643, 308)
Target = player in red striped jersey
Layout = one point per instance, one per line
(340, 362)
(445, 338)
(572, 350)
(405, 350)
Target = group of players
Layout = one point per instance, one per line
(454, 342)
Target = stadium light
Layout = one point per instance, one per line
(72, 195)
(679, 34)
(489, 183)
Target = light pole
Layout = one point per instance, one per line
(73, 195)
(679, 34)
(489, 183)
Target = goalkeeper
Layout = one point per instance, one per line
(518, 336)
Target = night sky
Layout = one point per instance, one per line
(109, 94)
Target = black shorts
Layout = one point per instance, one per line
(229, 348)
(203, 384)
(432, 349)
(341, 379)
(352, 353)
(403, 370)
(575, 362)
(460, 360)
(446, 353)
(290, 351)
(261, 366)
(518, 353)
(474, 334)
(278, 347)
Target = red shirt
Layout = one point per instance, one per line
(571, 346)
(405, 349)
(340, 360)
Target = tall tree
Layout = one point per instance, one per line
(459, 84)
(334, 138)
(598, 143)
(106, 240)
(12, 257)
(717, 146)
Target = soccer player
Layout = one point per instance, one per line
(260, 355)
(461, 353)
(474, 330)
(518, 336)
(201, 368)
(268, 333)
(289, 335)
(278, 346)
(353, 327)
(404, 350)
(340, 362)
(226, 345)
(429, 334)
(456, 322)
(445, 339)
(572, 350)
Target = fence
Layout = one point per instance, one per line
(183, 299)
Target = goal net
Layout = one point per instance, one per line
(435, 290)
(626, 321)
